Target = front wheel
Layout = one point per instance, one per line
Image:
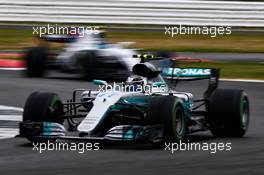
(42, 116)
(169, 111)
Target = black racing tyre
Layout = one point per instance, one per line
(228, 113)
(86, 62)
(168, 110)
(43, 107)
(36, 58)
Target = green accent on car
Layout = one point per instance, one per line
(243, 110)
(159, 84)
(55, 104)
(187, 106)
(138, 100)
(128, 135)
(99, 82)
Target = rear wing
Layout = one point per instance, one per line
(175, 74)
(191, 74)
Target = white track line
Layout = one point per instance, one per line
(8, 132)
(11, 118)
(2, 107)
(11, 68)
(243, 80)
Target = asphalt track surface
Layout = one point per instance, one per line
(17, 156)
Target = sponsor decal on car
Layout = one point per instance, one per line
(186, 72)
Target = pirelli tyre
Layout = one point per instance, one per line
(42, 107)
(36, 59)
(168, 110)
(228, 113)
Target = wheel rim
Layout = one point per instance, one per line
(245, 113)
(179, 121)
(56, 110)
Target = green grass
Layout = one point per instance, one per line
(12, 39)
(240, 70)
(193, 43)
(12, 58)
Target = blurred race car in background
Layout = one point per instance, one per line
(143, 109)
(91, 56)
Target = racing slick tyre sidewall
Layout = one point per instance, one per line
(168, 110)
(36, 58)
(228, 113)
(86, 61)
(43, 107)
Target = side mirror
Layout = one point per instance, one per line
(100, 82)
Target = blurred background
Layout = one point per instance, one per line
(143, 22)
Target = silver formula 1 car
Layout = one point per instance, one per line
(142, 109)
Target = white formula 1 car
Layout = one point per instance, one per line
(90, 55)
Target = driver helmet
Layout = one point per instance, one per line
(137, 81)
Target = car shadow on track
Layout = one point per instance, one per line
(133, 145)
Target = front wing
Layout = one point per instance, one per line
(132, 133)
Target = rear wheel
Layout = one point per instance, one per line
(228, 113)
(36, 58)
(168, 110)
